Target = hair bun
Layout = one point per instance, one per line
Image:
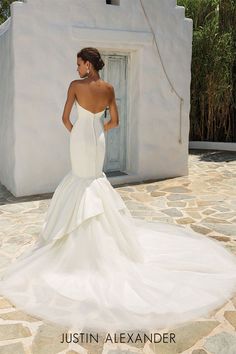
(91, 54)
(100, 64)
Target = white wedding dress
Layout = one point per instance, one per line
(95, 267)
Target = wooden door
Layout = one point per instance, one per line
(115, 72)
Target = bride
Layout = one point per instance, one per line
(96, 267)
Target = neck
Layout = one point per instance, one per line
(93, 76)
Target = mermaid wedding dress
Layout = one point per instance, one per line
(96, 267)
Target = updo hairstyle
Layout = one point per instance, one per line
(93, 56)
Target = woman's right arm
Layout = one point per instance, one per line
(114, 121)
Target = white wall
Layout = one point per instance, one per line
(7, 135)
(46, 38)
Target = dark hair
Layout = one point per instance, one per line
(91, 54)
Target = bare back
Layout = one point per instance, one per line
(94, 96)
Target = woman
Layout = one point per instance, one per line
(96, 267)
(92, 92)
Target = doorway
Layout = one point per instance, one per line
(115, 72)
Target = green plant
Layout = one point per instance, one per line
(5, 10)
(213, 103)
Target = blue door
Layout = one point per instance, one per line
(115, 72)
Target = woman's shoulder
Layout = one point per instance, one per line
(75, 82)
(107, 85)
(84, 81)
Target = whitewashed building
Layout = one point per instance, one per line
(146, 46)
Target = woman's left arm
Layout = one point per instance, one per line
(68, 106)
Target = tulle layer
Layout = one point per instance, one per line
(95, 267)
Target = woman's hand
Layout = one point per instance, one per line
(68, 124)
(109, 125)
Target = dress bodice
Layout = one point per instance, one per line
(87, 144)
(80, 108)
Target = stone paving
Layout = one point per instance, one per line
(204, 201)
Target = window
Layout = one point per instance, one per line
(113, 2)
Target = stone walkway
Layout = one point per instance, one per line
(204, 201)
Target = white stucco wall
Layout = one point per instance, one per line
(46, 38)
(7, 142)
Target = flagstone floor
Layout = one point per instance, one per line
(204, 200)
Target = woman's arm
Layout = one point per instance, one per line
(68, 106)
(114, 121)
